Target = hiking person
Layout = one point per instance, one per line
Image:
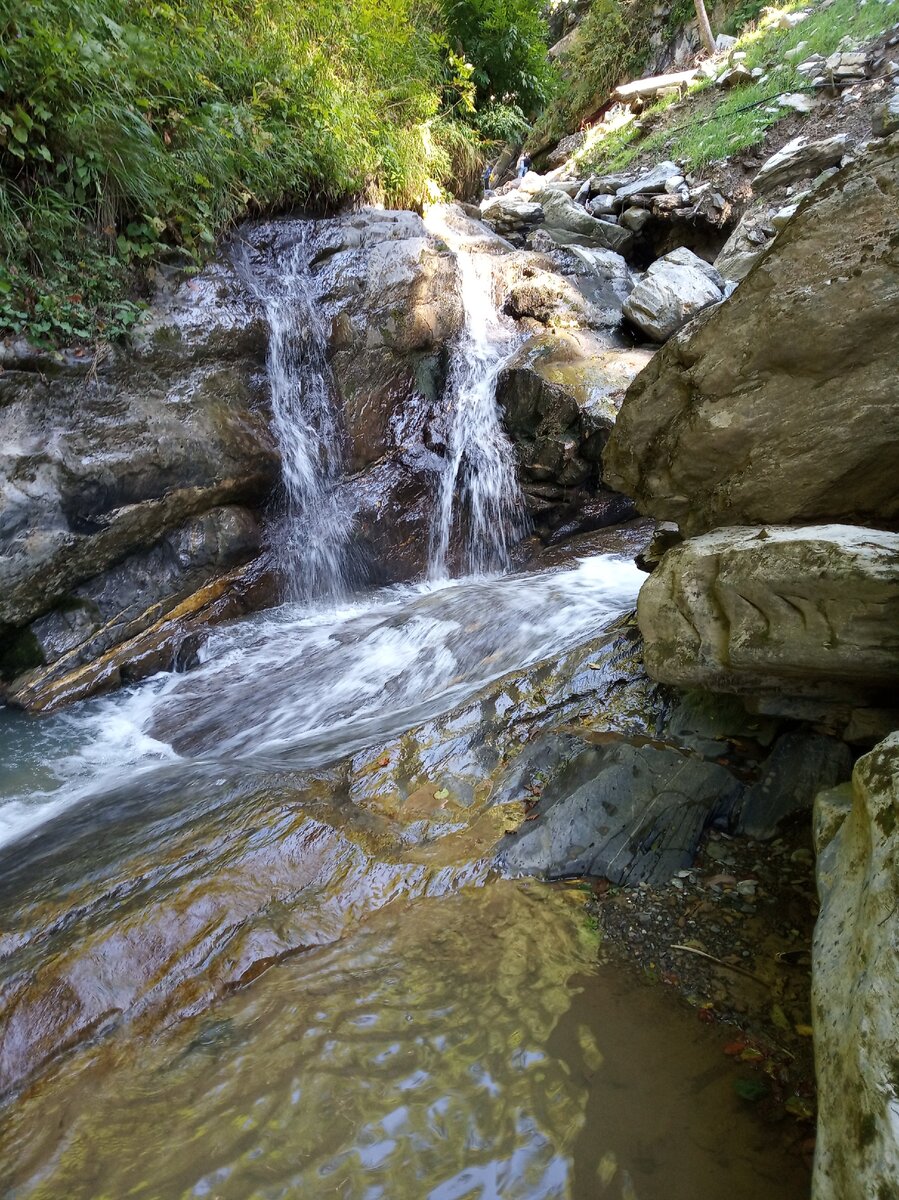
(524, 165)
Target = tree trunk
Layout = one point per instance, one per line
(705, 29)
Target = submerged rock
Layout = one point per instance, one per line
(733, 422)
(628, 813)
(855, 982)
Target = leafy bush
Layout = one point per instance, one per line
(131, 130)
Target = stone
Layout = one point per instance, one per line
(747, 244)
(652, 181)
(602, 277)
(559, 396)
(628, 813)
(800, 765)
(776, 609)
(800, 159)
(561, 212)
(100, 463)
(600, 205)
(121, 603)
(855, 981)
(724, 42)
(799, 102)
(511, 210)
(735, 76)
(635, 218)
(733, 421)
(673, 290)
(885, 120)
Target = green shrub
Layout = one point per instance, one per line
(135, 129)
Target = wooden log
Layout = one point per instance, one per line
(653, 84)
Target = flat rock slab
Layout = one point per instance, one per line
(628, 813)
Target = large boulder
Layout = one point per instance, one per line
(800, 159)
(673, 290)
(855, 982)
(780, 404)
(559, 396)
(778, 610)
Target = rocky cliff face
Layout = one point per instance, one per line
(780, 405)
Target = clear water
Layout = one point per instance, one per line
(479, 496)
(467, 1048)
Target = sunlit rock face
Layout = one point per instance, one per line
(780, 404)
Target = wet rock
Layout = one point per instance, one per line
(777, 610)
(627, 813)
(602, 277)
(800, 159)
(123, 602)
(391, 294)
(732, 423)
(800, 765)
(673, 290)
(103, 459)
(159, 896)
(855, 982)
(511, 212)
(163, 639)
(559, 398)
(393, 502)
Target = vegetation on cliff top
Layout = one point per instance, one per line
(135, 130)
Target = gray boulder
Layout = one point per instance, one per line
(855, 982)
(673, 290)
(800, 765)
(800, 159)
(652, 181)
(563, 213)
(733, 422)
(629, 813)
(776, 609)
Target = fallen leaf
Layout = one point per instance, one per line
(732, 1049)
(797, 1106)
(384, 762)
(804, 1030)
(442, 794)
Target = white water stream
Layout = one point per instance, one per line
(479, 490)
(313, 535)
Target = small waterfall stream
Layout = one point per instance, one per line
(479, 489)
(313, 536)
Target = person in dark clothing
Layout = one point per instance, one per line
(524, 165)
(488, 171)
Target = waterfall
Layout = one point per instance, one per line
(478, 490)
(312, 538)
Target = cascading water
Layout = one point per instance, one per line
(313, 536)
(478, 489)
